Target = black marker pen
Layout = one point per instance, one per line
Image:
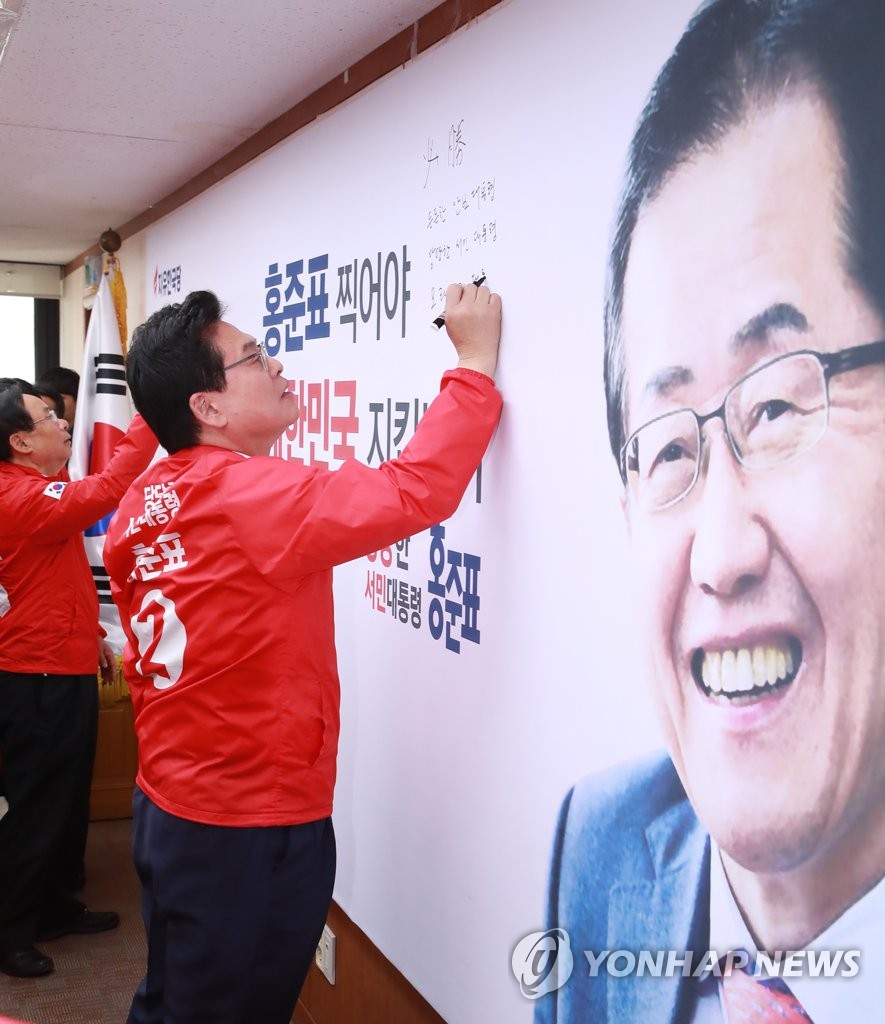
(440, 321)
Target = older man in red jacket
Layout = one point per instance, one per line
(220, 560)
(50, 648)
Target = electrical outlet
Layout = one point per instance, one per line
(325, 954)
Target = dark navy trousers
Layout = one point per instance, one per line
(48, 727)
(232, 915)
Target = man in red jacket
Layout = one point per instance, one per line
(49, 651)
(220, 560)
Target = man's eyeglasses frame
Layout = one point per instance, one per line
(51, 415)
(831, 363)
(259, 354)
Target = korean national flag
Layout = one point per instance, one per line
(104, 412)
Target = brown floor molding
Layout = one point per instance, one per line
(368, 989)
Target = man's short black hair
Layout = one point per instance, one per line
(59, 379)
(170, 358)
(58, 402)
(736, 57)
(14, 417)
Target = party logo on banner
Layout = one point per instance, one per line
(168, 281)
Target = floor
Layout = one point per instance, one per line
(95, 975)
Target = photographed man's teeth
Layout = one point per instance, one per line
(744, 670)
(741, 669)
(760, 670)
(770, 665)
(712, 671)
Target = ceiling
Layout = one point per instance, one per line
(107, 108)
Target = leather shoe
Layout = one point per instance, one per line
(87, 922)
(25, 962)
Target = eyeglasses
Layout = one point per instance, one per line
(51, 415)
(773, 415)
(260, 354)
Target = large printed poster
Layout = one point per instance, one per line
(664, 581)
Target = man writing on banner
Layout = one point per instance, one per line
(745, 381)
(220, 560)
(50, 649)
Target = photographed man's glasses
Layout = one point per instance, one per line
(260, 354)
(771, 416)
(51, 415)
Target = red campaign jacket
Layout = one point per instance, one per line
(48, 601)
(221, 567)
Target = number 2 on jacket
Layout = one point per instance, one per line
(161, 639)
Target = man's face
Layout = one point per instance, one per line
(763, 563)
(256, 403)
(70, 409)
(49, 443)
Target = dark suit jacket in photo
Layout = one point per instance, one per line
(630, 871)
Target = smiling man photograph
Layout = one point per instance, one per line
(745, 382)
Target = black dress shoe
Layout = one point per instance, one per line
(25, 962)
(87, 922)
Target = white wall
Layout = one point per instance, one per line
(35, 279)
(17, 336)
(72, 331)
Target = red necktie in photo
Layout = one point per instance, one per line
(749, 1000)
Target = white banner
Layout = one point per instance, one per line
(487, 664)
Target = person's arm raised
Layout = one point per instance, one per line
(473, 323)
